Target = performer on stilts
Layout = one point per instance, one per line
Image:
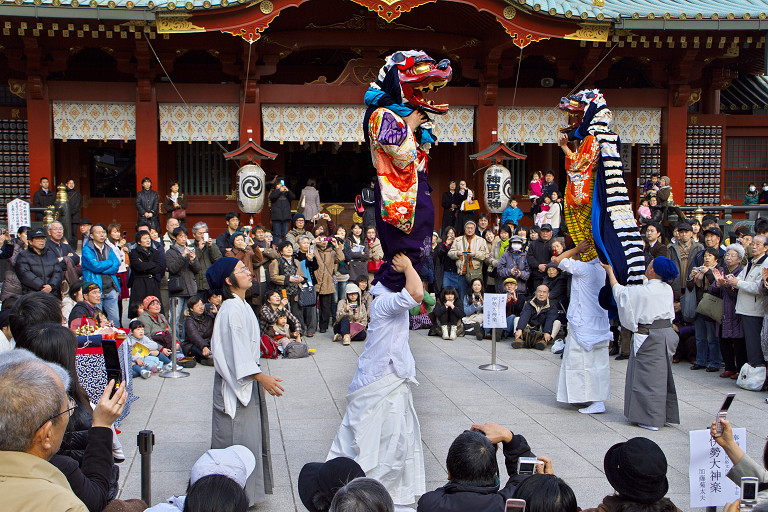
(650, 397)
(380, 429)
(239, 405)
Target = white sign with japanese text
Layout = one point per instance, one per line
(18, 215)
(495, 311)
(709, 465)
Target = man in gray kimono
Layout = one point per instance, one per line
(650, 398)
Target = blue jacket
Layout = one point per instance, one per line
(93, 268)
(513, 214)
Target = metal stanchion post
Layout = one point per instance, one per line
(146, 441)
(174, 373)
(493, 366)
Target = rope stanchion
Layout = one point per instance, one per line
(174, 372)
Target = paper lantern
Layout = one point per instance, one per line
(497, 183)
(250, 188)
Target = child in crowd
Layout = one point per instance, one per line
(644, 212)
(512, 213)
(541, 217)
(135, 311)
(535, 186)
(419, 315)
(280, 331)
(145, 353)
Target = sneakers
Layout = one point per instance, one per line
(454, 331)
(145, 374)
(336, 337)
(540, 345)
(594, 408)
(445, 333)
(558, 346)
(347, 339)
(517, 344)
(648, 427)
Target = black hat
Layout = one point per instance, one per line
(637, 469)
(684, 226)
(326, 478)
(36, 233)
(86, 220)
(714, 231)
(546, 227)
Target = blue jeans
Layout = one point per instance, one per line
(109, 306)
(279, 230)
(451, 279)
(707, 344)
(509, 330)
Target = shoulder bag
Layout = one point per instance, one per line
(307, 296)
(711, 306)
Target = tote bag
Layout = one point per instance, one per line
(688, 305)
(711, 306)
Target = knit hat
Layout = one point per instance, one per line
(470, 222)
(219, 271)
(665, 268)
(637, 469)
(235, 235)
(297, 216)
(325, 478)
(149, 299)
(89, 286)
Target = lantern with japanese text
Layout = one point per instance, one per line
(250, 188)
(498, 188)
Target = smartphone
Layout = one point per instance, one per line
(749, 489)
(247, 231)
(723, 413)
(311, 249)
(527, 465)
(282, 183)
(205, 237)
(515, 506)
(112, 364)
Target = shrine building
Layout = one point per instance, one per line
(107, 92)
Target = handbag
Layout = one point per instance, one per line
(471, 205)
(688, 305)
(473, 273)
(751, 378)
(175, 284)
(355, 328)
(179, 213)
(307, 296)
(374, 266)
(711, 306)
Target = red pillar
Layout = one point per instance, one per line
(147, 136)
(40, 127)
(674, 121)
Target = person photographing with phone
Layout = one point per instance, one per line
(743, 464)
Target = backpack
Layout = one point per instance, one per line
(268, 348)
(295, 350)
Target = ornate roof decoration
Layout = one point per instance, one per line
(746, 93)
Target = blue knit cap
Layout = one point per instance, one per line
(665, 268)
(219, 271)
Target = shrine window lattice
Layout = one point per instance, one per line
(746, 161)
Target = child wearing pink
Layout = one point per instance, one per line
(535, 186)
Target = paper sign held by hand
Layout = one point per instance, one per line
(709, 485)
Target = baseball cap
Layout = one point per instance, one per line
(714, 231)
(236, 462)
(546, 227)
(684, 226)
(37, 233)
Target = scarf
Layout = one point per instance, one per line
(467, 262)
(684, 251)
(503, 247)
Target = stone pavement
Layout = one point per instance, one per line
(453, 394)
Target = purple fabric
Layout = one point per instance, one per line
(731, 321)
(391, 132)
(417, 244)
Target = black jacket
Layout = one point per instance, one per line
(548, 188)
(454, 497)
(37, 270)
(558, 286)
(62, 249)
(79, 311)
(281, 204)
(75, 205)
(92, 479)
(542, 319)
(147, 201)
(224, 240)
(449, 216)
(42, 200)
(198, 330)
(146, 266)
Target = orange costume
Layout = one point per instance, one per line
(578, 193)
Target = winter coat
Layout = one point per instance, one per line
(539, 252)
(147, 201)
(509, 261)
(437, 268)
(75, 200)
(80, 310)
(311, 264)
(42, 200)
(538, 318)
(376, 252)
(94, 268)
(224, 240)
(750, 301)
(145, 265)
(11, 283)
(207, 256)
(731, 321)
(280, 201)
(511, 214)
(440, 309)
(185, 267)
(248, 256)
(454, 497)
(62, 249)
(700, 286)
(36, 270)
(280, 271)
(449, 216)
(198, 330)
(558, 287)
(751, 199)
(359, 315)
(168, 206)
(441, 253)
(327, 261)
(154, 325)
(294, 234)
(477, 245)
(309, 202)
(673, 251)
(357, 260)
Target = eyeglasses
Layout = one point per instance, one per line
(72, 407)
(244, 270)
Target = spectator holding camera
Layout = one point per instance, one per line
(707, 345)
(206, 253)
(183, 265)
(298, 230)
(328, 254)
(280, 209)
(351, 317)
(473, 473)
(743, 464)
(285, 274)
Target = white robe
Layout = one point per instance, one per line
(380, 429)
(585, 373)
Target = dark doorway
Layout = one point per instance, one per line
(341, 171)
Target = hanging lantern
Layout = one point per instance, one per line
(250, 188)
(498, 188)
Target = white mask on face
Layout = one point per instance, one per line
(765, 188)
(752, 188)
(516, 246)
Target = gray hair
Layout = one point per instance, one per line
(50, 224)
(199, 225)
(362, 494)
(738, 248)
(29, 396)
(763, 238)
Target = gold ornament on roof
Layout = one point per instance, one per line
(266, 7)
(509, 12)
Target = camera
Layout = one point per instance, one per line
(749, 490)
(527, 465)
(477, 296)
